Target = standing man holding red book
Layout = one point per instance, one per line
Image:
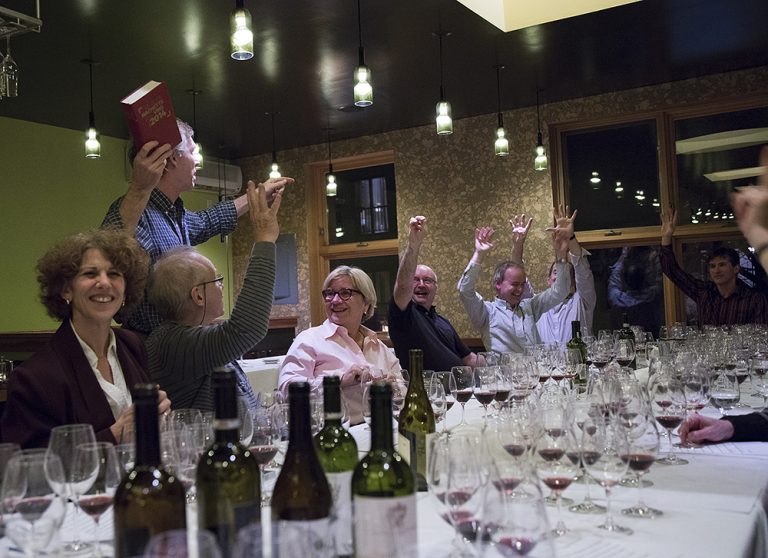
(154, 212)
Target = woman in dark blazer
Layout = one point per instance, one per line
(86, 372)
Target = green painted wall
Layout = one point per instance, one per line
(48, 190)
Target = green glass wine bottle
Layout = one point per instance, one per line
(417, 421)
(301, 501)
(384, 489)
(337, 452)
(578, 343)
(149, 500)
(228, 476)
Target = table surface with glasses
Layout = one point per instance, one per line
(713, 506)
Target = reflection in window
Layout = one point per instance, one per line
(382, 270)
(364, 207)
(628, 280)
(714, 155)
(612, 175)
(695, 261)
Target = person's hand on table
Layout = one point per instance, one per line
(698, 429)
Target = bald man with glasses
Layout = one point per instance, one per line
(413, 320)
(508, 323)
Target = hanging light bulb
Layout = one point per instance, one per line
(443, 116)
(540, 162)
(197, 154)
(241, 38)
(92, 144)
(501, 145)
(330, 186)
(363, 89)
(274, 171)
(619, 187)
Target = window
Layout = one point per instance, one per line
(691, 157)
(356, 227)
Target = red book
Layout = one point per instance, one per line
(150, 115)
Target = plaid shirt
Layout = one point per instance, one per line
(743, 306)
(165, 225)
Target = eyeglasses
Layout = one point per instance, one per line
(344, 294)
(219, 280)
(426, 280)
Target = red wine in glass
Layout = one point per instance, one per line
(463, 395)
(551, 454)
(485, 397)
(507, 484)
(502, 395)
(557, 483)
(515, 450)
(638, 462)
(263, 454)
(670, 422)
(96, 505)
(514, 546)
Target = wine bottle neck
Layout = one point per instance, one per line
(147, 433)
(381, 424)
(299, 425)
(332, 403)
(226, 430)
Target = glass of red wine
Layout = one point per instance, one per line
(98, 468)
(31, 507)
(264, 447)
(668, 404)
(555, 468)
(519, 526)
(464, 387)
(486, 384)
(643, 449)
(624, 352)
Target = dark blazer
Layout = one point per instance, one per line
(57, 386)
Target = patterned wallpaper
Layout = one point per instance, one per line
(459, 184)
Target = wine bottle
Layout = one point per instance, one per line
(578, 343)
(384, 489)
(301, 500)
(417, 422)
(149, 500)
(337, 452)
(228, 477)
(626, 333)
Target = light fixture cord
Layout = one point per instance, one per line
(91, 116)
(274, 144)
(359, 25)
(538, 119)
(440, 39)
(330, 164)
(498, 94)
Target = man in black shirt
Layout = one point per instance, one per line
(413, 321)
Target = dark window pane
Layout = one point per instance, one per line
(382, 270)
(714, 155)
(364, 207)
(612, 175)
(695, 259)
(628, 280)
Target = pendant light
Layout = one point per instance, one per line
(540, 162)
(330, 186)
(92, 144)
(501, 146)
(198, 155)
(363, 88)
(274, 171)
(443, 118)
(241, 38)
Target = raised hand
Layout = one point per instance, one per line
(274, 186)
(668, 224)
(520, 228)
(417, 229)
(148, 165)
(483, 239)
(262, 215)
(563, 223)
(750, 206)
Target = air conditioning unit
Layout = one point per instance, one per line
(219, 175)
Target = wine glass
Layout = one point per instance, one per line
(724, 392)
(7, 450)
(179, 453)
(583, 417)
(643, 449)
(758, 368)
(180, 418)
(624, 352)
(264, 448)
(437, 398)
(97, 499)
(603, 450)
(600, 352)
(366, 404)
(555, 468)
(503, 384)
(465, 387)
(448, 380)
(668, 404)
(125, 456)
(63, 442)
(246, 422)
(31, 508)
(485, 387)
(508, 453)
(574, 366)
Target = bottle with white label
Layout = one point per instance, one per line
(301, 500)
(337, 451)
(384, 490)
(417, 421)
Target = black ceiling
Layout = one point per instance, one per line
(306, 51)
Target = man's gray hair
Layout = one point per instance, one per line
(501, 269)
(172, 279)
(360, 281)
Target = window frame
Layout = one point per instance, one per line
(674, 299)
(321, 252)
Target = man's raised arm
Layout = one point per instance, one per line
(417, 230)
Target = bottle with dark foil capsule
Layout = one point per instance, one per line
(149, 500)
(384, 490)
(228, 476)
(337, 451)
(302, 504)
